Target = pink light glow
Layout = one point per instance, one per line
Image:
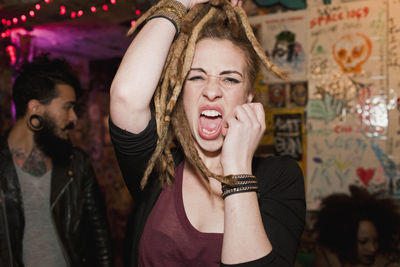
(133, 22)
(73, 14)
(3, 35)
(80, 13)
(8, 22)
(23, 17)
(62, 10)
(12, 53)
(4, 21)
(37, 6)
(105, 7)
(15, 20)
(32, 13)
(137, 12)
(47, 1)
(113, 2)
(93, 9)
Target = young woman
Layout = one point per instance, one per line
(181, 101)
(357, 230)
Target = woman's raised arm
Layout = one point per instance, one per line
(138, 74)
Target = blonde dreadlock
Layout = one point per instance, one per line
(167, 102)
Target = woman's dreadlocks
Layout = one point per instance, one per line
(215, 19)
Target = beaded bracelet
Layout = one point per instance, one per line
(172, 10)
(243, 183)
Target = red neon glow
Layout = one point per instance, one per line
(47, 1)
(93, 9)
(8, 22)
(105, 7)
(12, 53)
(137, 12)
(4, 21)
(62, 10)
(32, 13)
(3, 35)
(113, 2)
(15, 20)
(133, 22)
(37, 6)
(23, 17)
(80, 13)
(73, 14)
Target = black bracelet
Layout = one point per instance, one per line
(242, 183)
(235, 190)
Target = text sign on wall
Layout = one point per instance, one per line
(288, 136)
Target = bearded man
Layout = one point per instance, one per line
(53, 211)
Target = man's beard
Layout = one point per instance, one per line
(56, 148)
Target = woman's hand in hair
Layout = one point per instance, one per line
(243, 131)
(191, 3)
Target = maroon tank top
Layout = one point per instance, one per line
(170, 240)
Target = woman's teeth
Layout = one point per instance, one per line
(211, 113)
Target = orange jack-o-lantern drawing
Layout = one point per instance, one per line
(351, 52)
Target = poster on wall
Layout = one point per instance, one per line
(285, 134)
(347, 113)
(283, 38)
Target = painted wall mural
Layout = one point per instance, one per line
(347, 112)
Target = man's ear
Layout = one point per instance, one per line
(34, 107)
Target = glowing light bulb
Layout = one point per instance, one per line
(80, 13)
(63, 10)
(93, 9)
(73, 14)
(32, 13)
(105, 7)
(23, 17)
(37, 6)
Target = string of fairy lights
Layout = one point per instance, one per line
(30, 14)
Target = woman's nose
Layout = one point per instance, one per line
(213, 89)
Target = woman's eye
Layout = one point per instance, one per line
(231, 80)
(196, 78)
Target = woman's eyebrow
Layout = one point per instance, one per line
(198, 69)
(231, 72)
(221, 73)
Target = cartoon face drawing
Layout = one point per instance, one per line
(351, 52)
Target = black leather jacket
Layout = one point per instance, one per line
(77, 209)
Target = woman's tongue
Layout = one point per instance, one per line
(210, 127)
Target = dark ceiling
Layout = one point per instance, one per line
(97, 35)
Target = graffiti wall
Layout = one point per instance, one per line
(347, 113)
(343, 63)
(393, 144)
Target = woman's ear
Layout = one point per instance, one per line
(250, 96)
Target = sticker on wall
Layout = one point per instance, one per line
(277, 95)
(298, 94)
(288, 135)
